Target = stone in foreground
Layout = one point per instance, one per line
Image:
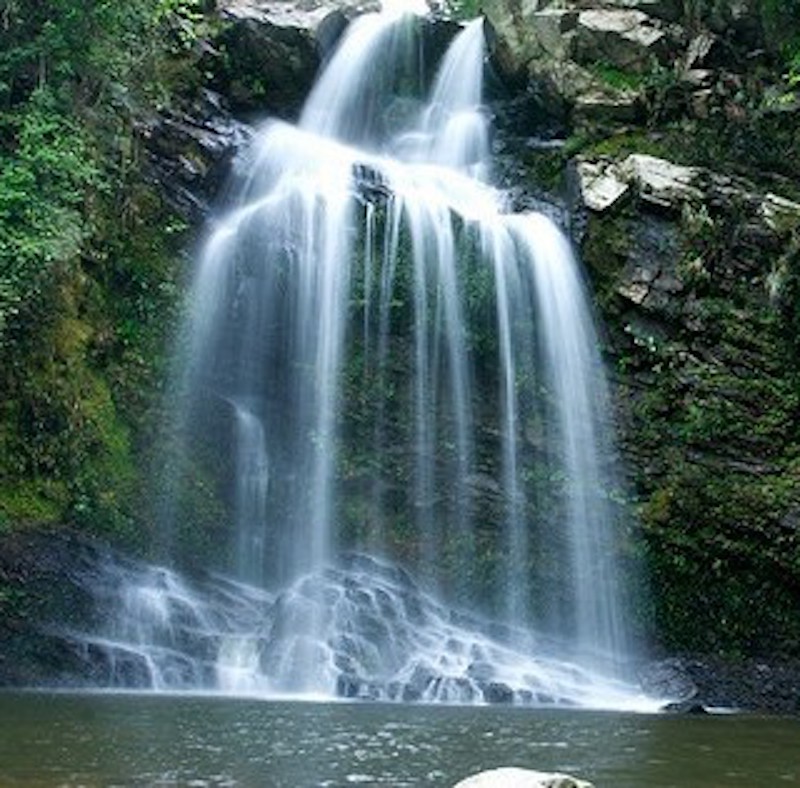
(521, 778)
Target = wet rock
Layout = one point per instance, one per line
(497, 692)
(481, 672)
(267, 69)
(348, 684)
(685, 707)
(521, 778)
(421, 678)
(750, 684)
(43, 598)
(190, 150)
(271, 50)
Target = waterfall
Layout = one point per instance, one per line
(389, 369)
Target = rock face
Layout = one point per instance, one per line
(521, 778)
(577, 50)
(190, 150)
(600, 184)
(696, 685)
(695, 271)
(269, 51)
(40, 598)
(680, 131)
(606, 58)
(625, 39)
(667, 10)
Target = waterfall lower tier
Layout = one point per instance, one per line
(380, 358)
(382, 639)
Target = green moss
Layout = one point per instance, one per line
(32, 501)
(715, 432)
(725, 570)
(616, 78)
(606, 248)
(619, 146)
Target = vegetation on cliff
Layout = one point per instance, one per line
(699, 295)
(89, 253)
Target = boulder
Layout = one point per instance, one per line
(660, 182)
(668, 679)
(531, 36)
(497, 692)
(685, 707)
(626, 39)
(270, 50)
(570, 52)
(668, 10)
(782, 216)
(716, 683)
(482, 672)
(306, 15)
(421, 678)
(522, 33)
(600, 184)
(521, 778)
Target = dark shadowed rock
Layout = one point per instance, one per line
(667, 679)
(685, 707)
(190, 150)
(497, 692)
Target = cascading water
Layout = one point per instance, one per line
(395, 366)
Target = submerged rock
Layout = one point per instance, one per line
(685, 707)
(521, 778)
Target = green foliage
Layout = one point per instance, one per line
(43, 187)
(464, 9)
(617, 78)
(89, 255)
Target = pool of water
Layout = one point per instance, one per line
(49, 739)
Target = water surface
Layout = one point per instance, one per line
(49, 739)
